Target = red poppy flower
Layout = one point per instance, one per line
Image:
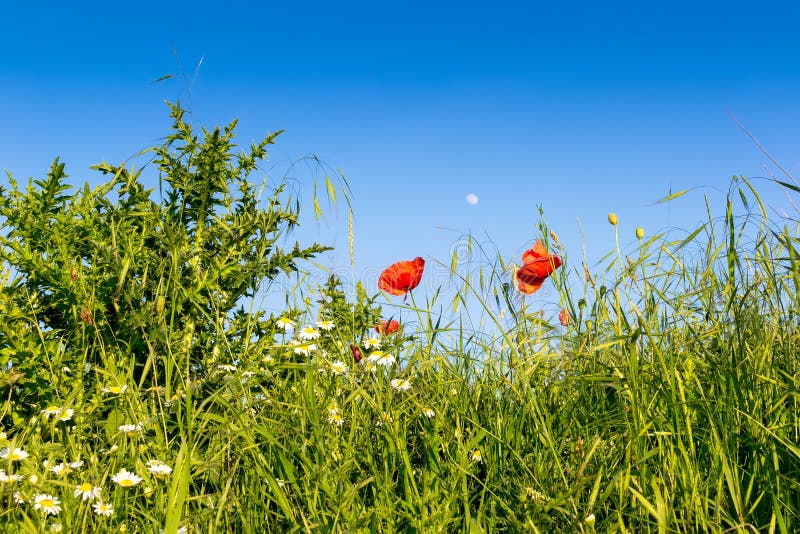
(564, 317)
(356, 353)
(387, 327)
(401, 277)
(537, 265)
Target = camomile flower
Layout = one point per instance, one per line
(126, 479)
(130, 429)
(382, 358)
(338, 368)
(47, 504)
(428, 412)
(304, 348)
(66, 414)
(335, 418)
(87, 492)
(61, 469)
(51, 411)
(284, 323)
(115, 390)
(8, 479)
(308, 333)
(372, 343)
(103, 508)
(77, 464)
(325, 325)
(158, 468)
(13, 455)
(476, 456)
(401, 384)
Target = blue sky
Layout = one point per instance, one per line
(584, 109)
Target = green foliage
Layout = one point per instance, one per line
(668, 404)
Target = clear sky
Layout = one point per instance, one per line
(582, 108)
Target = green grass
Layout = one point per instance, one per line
(669, 404)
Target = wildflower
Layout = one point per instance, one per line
(428, 412)
(537, 266)
(564, 317)
(227, 367)
(325, 325)
(308, 333)
(126, 479)
(589, 520)
(372, 343)
(77, 464)
(158, 468)
(284, 323)
(9, 479)
(640, 232)
(56, 527)
(335, 418)
(115, 390)
(51, 411)
(47, 504)
(13, 455)
(130, 429)
(66, 414)
(401, 384)
(612, 218)
(102, 508)
(338, 368)
(387, 327)
(19, 497)
(61, 469)
(476, 456)
(87, 492)
(401, 277)
(304, 348)
(381, 358)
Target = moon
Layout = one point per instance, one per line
(472, 199)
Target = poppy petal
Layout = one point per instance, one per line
(401, 277)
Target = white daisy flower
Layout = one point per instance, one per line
(338, 368)
(304, 348)
(382, 358)
(284, 323)
(372, 343)
(47, 504)
(335, 418)
(126, 479)
(9, 479)
(87, 492)
(158, 468)
(51, 411)
(115, 390)
(66, 414)
(401, 384)
(308, 333)
(428, 412)
(130, 429)
(325, 325)
(476, 456)
(102, 508)
(13, 455)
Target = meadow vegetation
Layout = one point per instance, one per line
(144, 389)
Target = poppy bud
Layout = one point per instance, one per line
(640, 232)
(564, 318)
(612, 218)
